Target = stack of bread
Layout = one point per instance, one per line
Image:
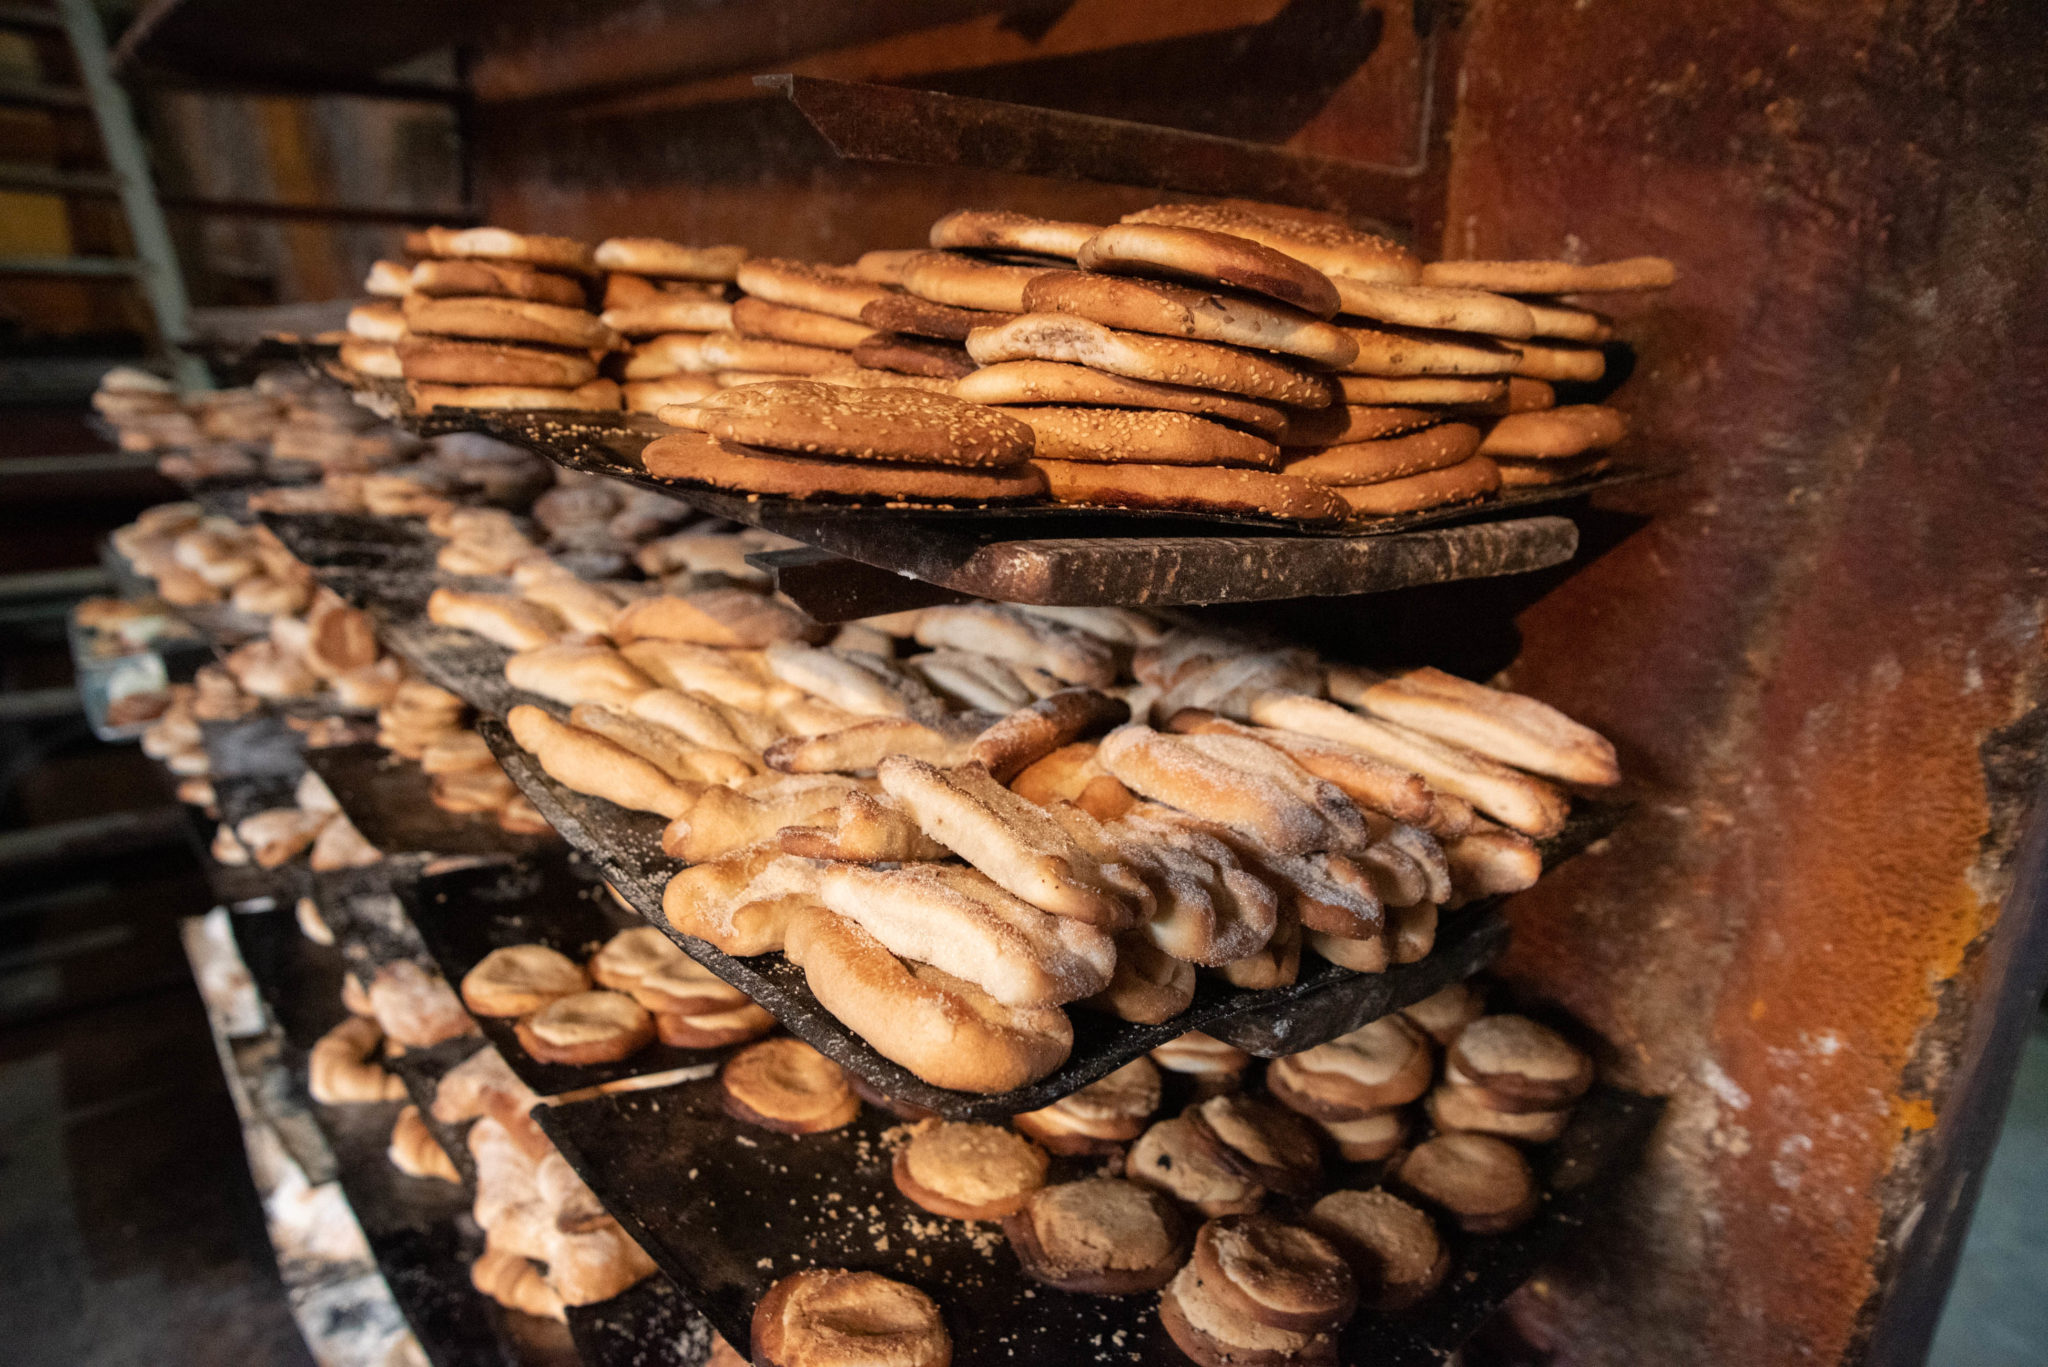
(664, 298)
(144, 410)
(430, 726)
(1137, 803)
(793, 318)
(323, 426)
(489, 319)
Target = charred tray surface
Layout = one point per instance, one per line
(419, 1229)
(1327, 1001)
(559, 902)
(672, 1166)
(389, 800)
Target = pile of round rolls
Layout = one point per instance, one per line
(961, 822)
(1247, 1213)
(1228, 358)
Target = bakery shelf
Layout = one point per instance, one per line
(726, 1209)
(1073, 556)
(1327, 1001)
(389, 800)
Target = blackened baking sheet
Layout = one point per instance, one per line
(1327, 1001)
(727, 1209)
(558, 901)
(390, 801)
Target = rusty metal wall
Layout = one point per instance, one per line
(1822, 658)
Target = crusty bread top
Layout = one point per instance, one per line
(884, 424)
(1001, 230)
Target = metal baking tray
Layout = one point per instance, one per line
(559, 902)
(727, 1209)
(390, 802)
(1327, 1001)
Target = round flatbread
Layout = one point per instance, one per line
(1348, 422)
(914, 356)
(966, 283)
(1375, 462)
(730, 351)
(1179, 311)
(860, 424)
(1142, 356)
(1388, 350)
(694, 456)
(1208, 257)
(806, 327)
(668, 260)
(449, 362)
(1555, 433)
(676, 353)
(388, 280)
(1054, 382)
(1430, 306)
(1560, 361)
(596, 396)
(800, 285)
(998, 230)
(1566, 323)
(923, 318)
(885, 265)
(1144, 437)
(1484, 391)
(1208, 489)
(669, 313)
(376, 359)
(508, 320)
(1460, 483)
(1524, 474)
(377, 321)
(1553, 277)
(460, 279)
(1320, 240)
(500, 244)
(651, 396)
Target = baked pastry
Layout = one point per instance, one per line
(341, 1067)
(689, 456)
(1201, 1056)
(1388, 458)
(1178, 311)
(1382, 1064)
(1101, 1117)
(961, 921)
(1518, 1065)
(1149, 986)
(1149, 357)
(998, 230)
(822, 1317)
(631, 955)
(696, 1009)
(1017, 845)
(1369, 1138)
(416, 1007)
(1552, 277)
(797, 284)
(1483, 1182)
(585, 1028)
(1259, 1140)
(1214, 1334)
(968, 1171)
(1458, 1106)
(501, 244)
(1103, 1236)
(1396, 1255)
(588, 763)
(1174, 1157)
(785, 1085)
(944, 1029)
(517, 1283)
(1204, 256)
(415, 1152)
(1032, 382)
(1443, 1013)
(1019, 638)
(1505, 726)
(1275, 1273)
(1129, 436)
(516, 980)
